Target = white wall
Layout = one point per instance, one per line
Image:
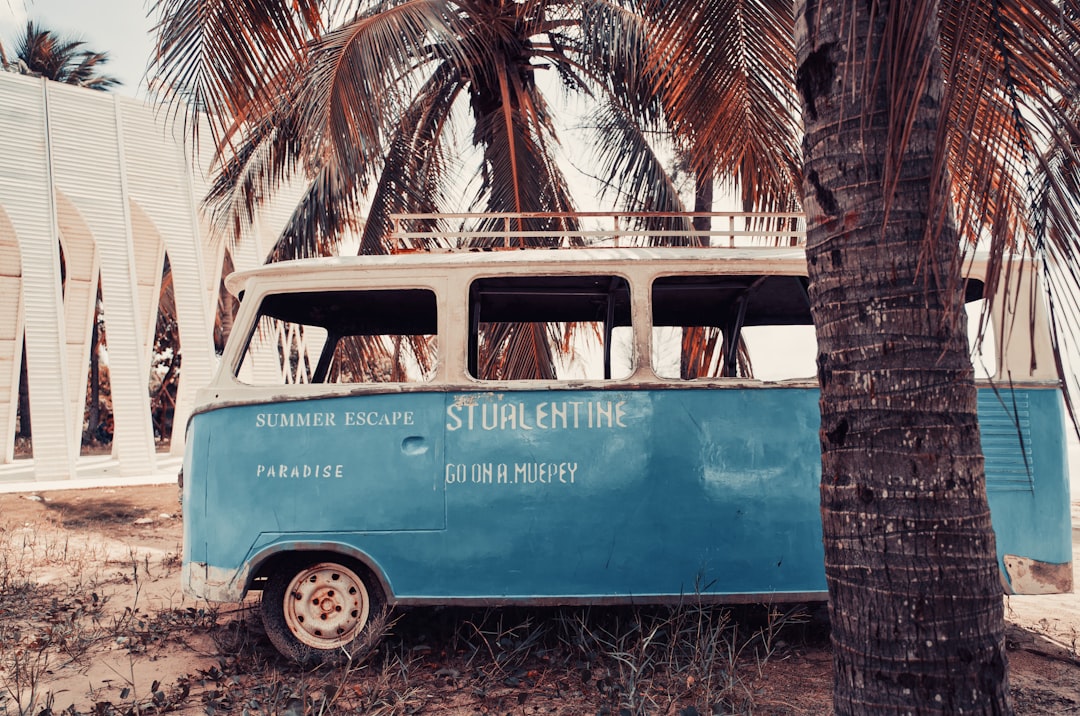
(102, 176)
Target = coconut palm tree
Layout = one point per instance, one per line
(43, 53)
(931, 127)
(929, 124)
(374, 108)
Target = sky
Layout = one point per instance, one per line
(122, 28)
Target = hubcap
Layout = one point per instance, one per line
(326, 606)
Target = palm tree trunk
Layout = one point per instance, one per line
(914, 591)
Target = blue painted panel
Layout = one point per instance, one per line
(1027, 476)
(573, 494)
(635, 492)
(342, 464)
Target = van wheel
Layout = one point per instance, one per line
(322, 612)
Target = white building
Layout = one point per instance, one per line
(101, 178)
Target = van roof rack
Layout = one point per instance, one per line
(480, 231)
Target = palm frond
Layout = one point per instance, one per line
(1013, 79)
(416, 167)
(364, 75)
(515, 351)
(630, 166)
(86, 72)
(725, 72)
(268, 151)
(617, 47)
(518, 173)
(330, 208)
(214, 57)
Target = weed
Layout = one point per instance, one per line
(25, 661)
(690, 659)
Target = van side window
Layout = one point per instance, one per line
(548, 327)
(371, 336)
(725, 325)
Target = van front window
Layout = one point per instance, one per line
(369, 336)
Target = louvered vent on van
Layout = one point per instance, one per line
(1005, 425)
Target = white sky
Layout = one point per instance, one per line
(121, 28)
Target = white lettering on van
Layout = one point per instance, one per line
(374, 418)
(518, 473)
(555, 415)
(295, 420)
(300, 471)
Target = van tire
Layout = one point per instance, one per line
(323, 611)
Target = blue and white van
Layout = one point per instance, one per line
(575, 426)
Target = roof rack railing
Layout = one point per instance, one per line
(477, 231)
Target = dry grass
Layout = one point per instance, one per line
(628, 661)
(91, 624)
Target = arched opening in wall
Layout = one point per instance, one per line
(165, 361)
(227, 306)
(24, 444)
(98, 426)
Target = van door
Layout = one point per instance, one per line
(358, 463)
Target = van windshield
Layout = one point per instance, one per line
(343, 336)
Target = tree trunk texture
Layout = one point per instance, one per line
(915, 596)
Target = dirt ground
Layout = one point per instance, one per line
(93, 621)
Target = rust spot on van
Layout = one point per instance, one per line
(1031, 576)
(465, 399)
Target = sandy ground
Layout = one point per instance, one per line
(92, 613)
(1055, 616)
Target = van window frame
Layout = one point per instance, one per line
(233, 363)
(473, 295)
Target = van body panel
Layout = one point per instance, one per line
(1027, 482)
(350, 463)
(544, 496)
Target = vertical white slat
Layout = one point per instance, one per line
(11, 335)
(160, 185)
(149, 262)
(80, 299)
(26, 193)
(88, 169)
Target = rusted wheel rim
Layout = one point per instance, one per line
(326, 606)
